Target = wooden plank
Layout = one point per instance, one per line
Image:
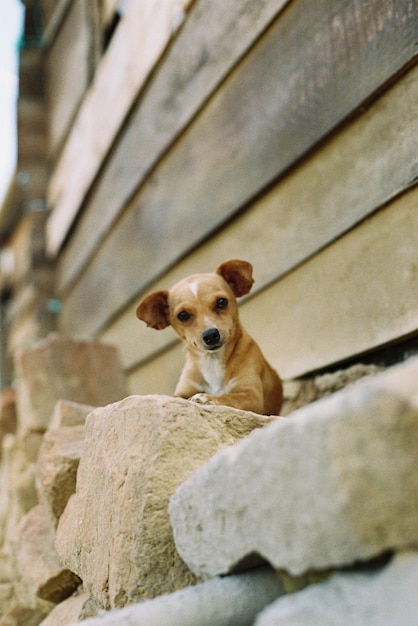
(53, 14)
(67, 70)
(289, 97)
(140, 39)
(358, 294)
(355, 172)
(198, 60)
(158, 376)
(108, 9)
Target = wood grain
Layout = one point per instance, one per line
(67, 70)
(281, 100)
(139, 41)
(361, 168)
(196, 63)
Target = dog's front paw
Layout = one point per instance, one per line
(202, 398)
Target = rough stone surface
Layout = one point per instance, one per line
(40, 569)
(115, 531)
(385, 597)
(14, 613)
(74, 609)
(58, 462)
(68, 413)
(334, 483)
(299, 393)
(7, 413)
(17, 480)
(57, 368)
(229, 601)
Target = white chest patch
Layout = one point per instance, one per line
(213, 371)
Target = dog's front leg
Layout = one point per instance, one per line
(247, 399)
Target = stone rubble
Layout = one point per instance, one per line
(335, 483)
(115, 531)
(155, 510)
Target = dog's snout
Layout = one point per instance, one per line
(211, 337)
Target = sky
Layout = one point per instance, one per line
(11, 16)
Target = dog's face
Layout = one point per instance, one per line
(202, 309)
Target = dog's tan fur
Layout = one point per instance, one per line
(223, 365)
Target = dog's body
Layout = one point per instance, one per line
(224, 365)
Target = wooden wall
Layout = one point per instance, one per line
(284, 133)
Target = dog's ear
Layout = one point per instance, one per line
(238, 275)
(154, 310)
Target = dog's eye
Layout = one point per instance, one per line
(221, 304)
(183, 316)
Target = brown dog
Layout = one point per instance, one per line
(223, 364)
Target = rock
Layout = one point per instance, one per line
(17, 480)
(74, 609)
(59, 457)
(334, 483)
(14, 613)
(7, 413)
(115, 532)
(298, 393)
(37, 561)
(233, 600)
(58, 368)
(381, 598)
(68, 413)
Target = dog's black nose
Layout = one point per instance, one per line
(211, 337)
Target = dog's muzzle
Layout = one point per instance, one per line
(212, 338)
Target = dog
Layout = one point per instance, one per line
(224, 365)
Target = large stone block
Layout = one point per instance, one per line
(115, 531)
(334, 483)
(42, 574)
(385, 597)
(57, 368)
(58, 462)
(229, 601)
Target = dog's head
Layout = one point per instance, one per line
(202, 309)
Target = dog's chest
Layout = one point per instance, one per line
(213, 372)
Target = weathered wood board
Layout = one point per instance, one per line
(196, 63)
(281, 100)
(358, 294)
(350, 176)
(67, 70)
(140, 39)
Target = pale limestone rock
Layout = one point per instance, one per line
(7, 413)
(334, 483)
(42, 574)
(58, 368)
(385, 597)
(74, 609)
(58, 461)
(17, 480)
(68, 413)
(115, 532)
(14, 613)
(229, 601)
(298, 393)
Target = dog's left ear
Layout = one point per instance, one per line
(238, 275)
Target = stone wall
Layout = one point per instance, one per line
(154, 510)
